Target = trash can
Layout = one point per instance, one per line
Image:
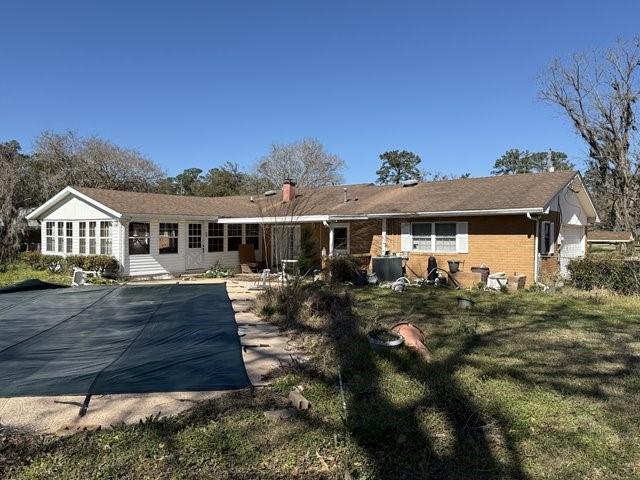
(454, 265)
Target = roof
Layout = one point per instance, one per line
(608, 236)
(500, 194)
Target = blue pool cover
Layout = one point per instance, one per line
(118, 339)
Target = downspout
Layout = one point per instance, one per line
(535, 247)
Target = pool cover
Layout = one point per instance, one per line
(119, 339)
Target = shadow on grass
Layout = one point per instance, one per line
(542, 345)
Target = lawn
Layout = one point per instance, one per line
(527, 385)
(19, 271)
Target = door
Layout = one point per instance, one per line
(340, 239)
(571, 246)
(195, 247)
(285, 244)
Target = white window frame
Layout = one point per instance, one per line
(175, 236)
(552, 245)
(68, 228)
(431, 237)
(333, 248)
(49, 234)
(229, 236)
(82, 238)
(92, 238)
(432, 242)
(60, 238)
(223, 237)
(105, 240)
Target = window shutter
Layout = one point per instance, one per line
(462, 237)
(405, 243)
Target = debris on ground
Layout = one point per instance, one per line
(298, 400)
(281, 413)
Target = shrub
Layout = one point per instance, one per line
(612, 272)
(104, 264)
(218, 271)
(343, 268)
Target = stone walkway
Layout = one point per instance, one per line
(264, 348)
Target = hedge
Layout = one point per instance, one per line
(621, 275)
(104, 264)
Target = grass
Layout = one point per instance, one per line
(526, 385)
(19, 271)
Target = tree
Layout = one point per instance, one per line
(12, 224)
(306, 161)
(230, 180)
(60, 160)
(436, 176)
(398, 166)
(522, 161)
(598, 92)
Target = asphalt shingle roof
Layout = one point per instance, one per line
(487, 193)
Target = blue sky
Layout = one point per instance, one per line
(201, 83)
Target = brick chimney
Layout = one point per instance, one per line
(288, 190)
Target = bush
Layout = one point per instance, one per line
(343, 268)
(606, 271)
(218, 271)
(104, 264)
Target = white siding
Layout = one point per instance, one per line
(76, 209)
(155, 264)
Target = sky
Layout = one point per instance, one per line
(197, 84)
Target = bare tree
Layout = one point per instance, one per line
(599, 93)
(66, 159)
(307, 161)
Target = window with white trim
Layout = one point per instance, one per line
(92, 238)
(234, 237)
(139, 238)
(546, 238)
(50, 239)
(216, 237)
(168, 242)
(60, 237)
(252, 235)
(82, 240)
(434, 237)
(445, 237)
(69, 238)
(421, 237)
(105, 238)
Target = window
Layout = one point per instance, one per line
(60, 237)
(234, 237)
(168, 238)
(195, 235)
(437, 237)
(92, 238)
(105, 238)
(138, 238)
(421, 234)
(340, 239)
(252, 235)
(69, 232)
(546, 242)
(51, 242)
(82, 241)
(445, 237)
(216, 237)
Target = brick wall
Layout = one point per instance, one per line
(503, 243)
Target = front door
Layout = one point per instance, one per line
(195, 247)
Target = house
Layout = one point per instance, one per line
(531, 224)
